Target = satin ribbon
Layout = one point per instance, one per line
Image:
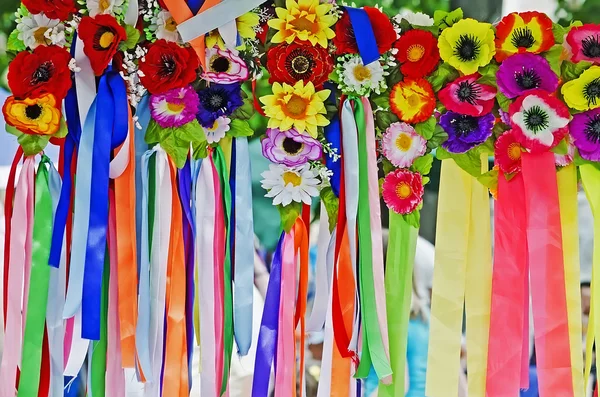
(334, 138)
(243, 248)
(19, 262)
(40, 277)
(325, 378)
(301, 237)
(363, 32)
(98, 349)
(547, 277)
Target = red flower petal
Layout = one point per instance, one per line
(53, 9)
(299, 61)
(384, 32)
(402, 191)
(418, 53)
(101, 37)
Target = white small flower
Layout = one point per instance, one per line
(414, 18)
(360, 79)
(286, 184)
(38, 29)
(217, 132)
(73, 66)
(98, 7)
(165, 26)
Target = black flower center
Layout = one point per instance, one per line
(536, 119)
(528, 79)
(592, 129)
(299, 64)
(591, 91)
(291, 146)
(43, 73)
(167, 66)
(33, 111)
(468, 92)
(590, 46)
(464, 124)
(467, 47)
(522, 37)
(221, 65)
(215, 100)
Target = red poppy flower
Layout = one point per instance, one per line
(418, 53)
(101, 37)
(299, 61)
(507, 153)
(45, 70)
(167, 66)
(529, 31)
(53, 9)
(466, 96)
(345, 41)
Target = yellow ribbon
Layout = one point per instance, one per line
(567, 191)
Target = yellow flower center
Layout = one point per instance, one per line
(296, 106)
(39, 35)
(362, 73)
(403, 190)
(175, 107)
(413, 100)
(304, 24)
(214, 126)
(291, 177)
(415, 52)
(514, 151)
(103, 5)
(106, 39)
(170, 25)
(403, 142)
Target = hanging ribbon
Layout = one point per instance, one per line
(334, 138)
(98, 349)
(363, 32)
(547, 275)
(319, 310)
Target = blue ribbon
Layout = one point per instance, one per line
(334, 137)
(363, 33)
(112, 124)
(267, 337)
(195, 5)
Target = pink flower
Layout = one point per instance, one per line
(466, 96)
(175, 107)
(403, 191)
(584, 43)
(224, 67)
(290, 147)
(402, 145)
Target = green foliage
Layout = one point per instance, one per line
(239, 128)
(587, 11)
(289, 214)
(423, 164)
(133, 36)
(393, 7)
(331, 206)
(176, 141)
(426, 128)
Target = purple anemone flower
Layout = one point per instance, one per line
(466, 132)
(585, 131)
(290, 148)
(175, 107)
(520, 73)
(218, 100)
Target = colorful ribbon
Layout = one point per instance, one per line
(363, 32)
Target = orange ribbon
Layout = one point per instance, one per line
(301, 244)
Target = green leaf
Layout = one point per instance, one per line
(489, 70)
(423, 164)
(445, 19)
(426, 180)
(470, 161)
(439, 136)
(578, 160)
(175, 148)
(435, 30)
(553, 58)
(200, 150)
(487, 147)
(153, 133)
(289, 214)
(244, 112)
(394, 77)
(503, 101)
(383, 119)
(559, 32)
(239, 128)
(190, 132)
(426, 128)
(387, 166)
(488, 80)
(62, 131)
(561, 149)
(413, 219)
(381, 102)
(441, 76)
(489, 179)
(332, 205)
(13, 42)
(133, 36)
(571, 71)
(33, 144)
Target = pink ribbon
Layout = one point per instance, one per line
(219, 258)
(19, 268)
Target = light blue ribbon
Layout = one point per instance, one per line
(143, 115)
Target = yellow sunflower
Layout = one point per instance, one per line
(33, 115)
(583, 93)
(306, 20)
(245, 27)
(467, 45)
(299, 106)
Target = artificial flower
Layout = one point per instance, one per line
(305, 20)
(467, 45)
(385, 35)
(224, 67)
(218, 100)
(290, 63)
(99, 7)
(402, 191)
(300, 106)
(466, 96)
(414, 18)
(167, 66)
(174, 108)
(585, 131)
(355, 77)
(583, 93)
(37, 29)
(418, 53)
(101, 37)
(562, 160)
(539, 120)
(529, 31)
(166, 27)
(289, 147)
(284, 184)
(45, 70)
(466, 132)
(39, 116)
(217, 130)
(53, 9)
(583, 43)
(412, 100)
(520, 73)
(246, 28)
(507, 153)
(401, 144)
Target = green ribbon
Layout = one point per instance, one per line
(33, 340)
(99, 348)
(373, 351)
(221, 166)
(402, 245)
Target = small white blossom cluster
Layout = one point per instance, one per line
(330, 151)
(322, 172)
(56, 35)
(131, 75)
(149, 9)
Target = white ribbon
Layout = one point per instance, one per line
(119, 163)
(131, 16)
(319, 311)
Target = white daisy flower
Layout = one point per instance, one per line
(401, 145)
(357, 78)
(284, 184)
(217, 132)
(166, 27)
(38, 29)
(414, 18)
(98, 7)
